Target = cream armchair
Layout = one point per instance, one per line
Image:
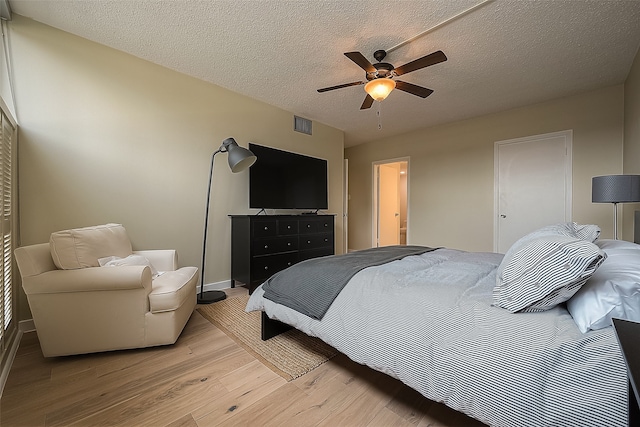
(80, 307)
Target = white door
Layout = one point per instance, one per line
(389, 205)
(532, 185)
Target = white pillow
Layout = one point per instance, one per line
(114, 261)
(612, 291)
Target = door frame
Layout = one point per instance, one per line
(568, 170)
(345, 207)
(374, 196)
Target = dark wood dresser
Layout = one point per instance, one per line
(264, 245)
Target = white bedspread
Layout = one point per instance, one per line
(427, 320)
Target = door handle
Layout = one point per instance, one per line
(503, 216)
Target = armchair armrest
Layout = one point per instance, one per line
(161, 259)
(89, 280)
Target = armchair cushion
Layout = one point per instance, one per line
(172, 288)
(83, 247)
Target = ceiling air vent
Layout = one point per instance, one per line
(302, 125)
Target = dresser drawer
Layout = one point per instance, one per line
(316, 225)
(308, 226)
(287, 227)
(273, 245)
(265, 228)
(265, 266)
(313, 241)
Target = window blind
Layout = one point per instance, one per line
(7, 132)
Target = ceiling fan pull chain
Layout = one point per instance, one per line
(379, 115)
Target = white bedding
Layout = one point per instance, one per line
(428, 321)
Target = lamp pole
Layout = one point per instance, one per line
(239, 159)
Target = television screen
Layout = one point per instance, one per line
(284, 180)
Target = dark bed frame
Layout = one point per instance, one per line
(271, 328)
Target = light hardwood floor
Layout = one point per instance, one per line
(205, 379)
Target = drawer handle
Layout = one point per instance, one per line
(289, 264)
(266, 268)
(326, 240)
(266, 246)
(266, 228)
(309, 241)
(308, 225)
(288, 243)
(288, 227)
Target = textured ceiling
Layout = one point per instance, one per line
(503, 54)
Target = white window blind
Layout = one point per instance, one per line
(7, 132)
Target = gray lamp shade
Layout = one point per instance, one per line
(615, 189)
(239, 158)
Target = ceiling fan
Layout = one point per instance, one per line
(380, 76)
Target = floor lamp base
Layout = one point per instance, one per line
(211, 296)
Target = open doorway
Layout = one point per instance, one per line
(390, 196)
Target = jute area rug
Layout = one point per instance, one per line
(290, 354)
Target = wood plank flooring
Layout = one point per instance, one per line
(205, 379)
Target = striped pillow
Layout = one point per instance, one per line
(544, 272)
(587, 232)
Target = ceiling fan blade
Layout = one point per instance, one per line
(362, 62)
(325, 89)
(368, 102)
(425, 61)
(420, 91)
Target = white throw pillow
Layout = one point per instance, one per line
(612, 291)
(114, 261)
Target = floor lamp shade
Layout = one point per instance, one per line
(615, 189)
(239, 159)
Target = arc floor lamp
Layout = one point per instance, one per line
(239, 159)
(615, 189)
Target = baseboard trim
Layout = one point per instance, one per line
(6, 367)
(217, 286)
(26, 326)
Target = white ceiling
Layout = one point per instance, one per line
(503, 54)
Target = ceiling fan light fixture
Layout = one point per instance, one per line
(380, 88)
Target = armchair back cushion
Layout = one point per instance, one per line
(82, 247)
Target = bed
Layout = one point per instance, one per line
(444, 322)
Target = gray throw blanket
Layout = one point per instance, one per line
(310, 286)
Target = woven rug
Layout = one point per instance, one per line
(290, 354)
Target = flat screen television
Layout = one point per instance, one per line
(284, 180)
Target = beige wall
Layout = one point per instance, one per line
(631, 138)
(451, 180)
(106, 137)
